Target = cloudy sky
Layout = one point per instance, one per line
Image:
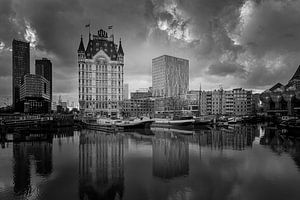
(233, 43)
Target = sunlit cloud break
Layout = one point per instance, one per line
(30, 34)
(173, 21)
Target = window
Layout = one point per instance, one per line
(45, 88)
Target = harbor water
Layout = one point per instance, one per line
(238, 162)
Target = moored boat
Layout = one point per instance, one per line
(233, 120)
(135, 124)
(203, 120)
(174, 123)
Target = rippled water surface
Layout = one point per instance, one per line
(242, 162)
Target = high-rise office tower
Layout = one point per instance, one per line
(43, 67)
(100, 69)
(170, 76)
(20, 67)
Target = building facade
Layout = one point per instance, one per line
(138, 107)
(35, 94)
(172, 107)
(141, 94)
(242, 102)
(226, 102)
(43, 67)
(170, 76)
(101, 75)
(192, 99)
(126, 91)
(282, 100)
(20, 67)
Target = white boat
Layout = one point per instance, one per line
(170, 122)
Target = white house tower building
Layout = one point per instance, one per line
(100, 72)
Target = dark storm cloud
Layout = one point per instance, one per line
(57, 25)
(273, 26)
(5, 63)
(219, 37)
(226, 68)
(6, 15)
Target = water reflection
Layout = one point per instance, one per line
(25, 152)
(236, 137)
(101, 165)
(240, 162)
(170, 155)
(281, 143)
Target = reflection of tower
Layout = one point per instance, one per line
(101, 166)
(170, 156)
(41, 152)
(21, 169)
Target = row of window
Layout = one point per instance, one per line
(100, 98)
(103, 68)
(100, 106)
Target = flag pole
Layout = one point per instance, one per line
(89, 29)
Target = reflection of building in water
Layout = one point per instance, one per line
(170, 156)
(280, 143)
(41, 152)
(21, 169)
(237, 138)
(101, 166)
(64, 132)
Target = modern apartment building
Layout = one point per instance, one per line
(35, 94)
(170, 76)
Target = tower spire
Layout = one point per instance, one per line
(81, 46)
(120, 50)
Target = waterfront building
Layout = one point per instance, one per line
(138, 107)
(20, 67)
(242, 101)
(281, 100)
(236, 102)
(101, 75)
(141, 94)
(126, 91)
(170, 76)
(192, 99)
(35, 94)
(43, 67)
(173, 107)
